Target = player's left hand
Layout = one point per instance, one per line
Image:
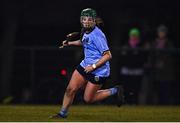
(88, 69)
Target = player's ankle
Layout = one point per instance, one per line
(63, 112)
(113, 90)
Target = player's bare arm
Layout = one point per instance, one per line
(74, 43)
(106, 57)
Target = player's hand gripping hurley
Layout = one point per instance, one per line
(68, 38)
(64, 43)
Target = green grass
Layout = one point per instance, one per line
(91, 113)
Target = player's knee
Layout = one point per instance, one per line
(71, 91)
(88, 99)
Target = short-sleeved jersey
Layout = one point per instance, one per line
(95, 44)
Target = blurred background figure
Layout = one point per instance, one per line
(131, 64)
(162, 40)
(134, 38)
(162, 66)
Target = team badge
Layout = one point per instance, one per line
(96, 78)
(86, 40)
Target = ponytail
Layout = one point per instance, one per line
(99, 22)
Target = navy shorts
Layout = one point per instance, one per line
(91, 77)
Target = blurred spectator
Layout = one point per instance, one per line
(134, 38)
(162, 66)
(131, 64)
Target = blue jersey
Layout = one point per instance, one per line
(95, 44)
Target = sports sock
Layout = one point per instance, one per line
(113, 91)
(63, 112)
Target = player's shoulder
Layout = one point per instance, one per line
(98, 32)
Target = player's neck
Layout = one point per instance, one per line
(90, 30)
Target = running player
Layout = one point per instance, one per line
(94, 69)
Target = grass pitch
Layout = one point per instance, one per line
(93, 113)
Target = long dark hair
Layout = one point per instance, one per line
(99, 22)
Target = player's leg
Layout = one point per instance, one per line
(93, 92)
(76, 82)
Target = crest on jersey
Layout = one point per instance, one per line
(86, 41)
(96, 78)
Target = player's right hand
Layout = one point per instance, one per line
(65, 43)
